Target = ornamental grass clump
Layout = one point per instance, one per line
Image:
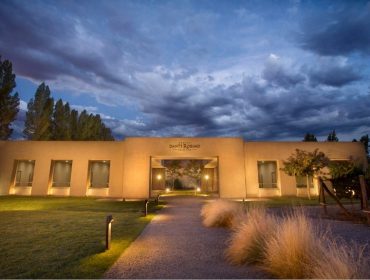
(291, 251)
(341, 261)
(221, 213)
(248, 240)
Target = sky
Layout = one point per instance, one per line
(261, 70)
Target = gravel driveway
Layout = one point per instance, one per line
(176, 245)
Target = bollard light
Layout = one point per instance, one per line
(146, 207)
(108, 231)
(157, 199)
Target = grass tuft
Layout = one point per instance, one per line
(339, 260)
(220, 213)
(293, 248)
(248, 240)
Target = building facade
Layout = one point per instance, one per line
(134, 168)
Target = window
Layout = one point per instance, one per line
(61, 170)
(267, 174)
(302, 181)
(24, 173)
(99, 173)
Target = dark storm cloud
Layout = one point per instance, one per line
(333, 75)
(46, 45)
(339, 33)
(278, 76)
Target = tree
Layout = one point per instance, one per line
(172, 170)
(332, 137)
(365, 140)
(344, 178)
(304, 163)
(74, 124)
(309, 138)
(61, 125)
(38, 124)
(9, 103)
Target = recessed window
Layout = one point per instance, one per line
(24, 173)
(99, 173)
(61, 173)
(302, 181)
(267, 174)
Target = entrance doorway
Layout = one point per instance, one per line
(183, 176)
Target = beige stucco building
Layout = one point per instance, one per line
(134, 168)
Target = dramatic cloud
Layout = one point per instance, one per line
(190, 68)
(340, 32)
(333, 72)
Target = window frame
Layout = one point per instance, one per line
(90, 176)
(52, 170)
(305, 180)
(262, 185)
(16, 165)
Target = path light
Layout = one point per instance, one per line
(167, 190)
(108, 231)
(146, 207)
(198, 189)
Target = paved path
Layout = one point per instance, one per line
(176, 245)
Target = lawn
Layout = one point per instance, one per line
(297, 201)
(49, 237)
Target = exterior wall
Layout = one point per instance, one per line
(138, 151)
(43, 152)
(279, 151)
(130, 164)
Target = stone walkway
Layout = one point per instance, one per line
(176, 245)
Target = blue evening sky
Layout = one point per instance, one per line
(262, 70)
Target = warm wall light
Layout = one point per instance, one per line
(206, 177)
(159, 176)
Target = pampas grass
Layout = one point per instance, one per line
(287, 247)
(247, 242)
(221, 213)
(291, 251)
(341, 261)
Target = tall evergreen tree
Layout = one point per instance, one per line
(332, 137)
(309, 138)
(61, 125)
(9, 103)
(38, 124)
(74, 124)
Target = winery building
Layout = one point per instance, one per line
(133, 168)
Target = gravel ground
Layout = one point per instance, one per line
(176, 245)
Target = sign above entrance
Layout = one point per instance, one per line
(184, 146)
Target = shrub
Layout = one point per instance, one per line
(247, 242)
(339, 260)
(292, 249)
(220, 213)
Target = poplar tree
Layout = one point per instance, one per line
(9, 103)
(61, 126)
(332, 137)
(38, 124)
(74, 124)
